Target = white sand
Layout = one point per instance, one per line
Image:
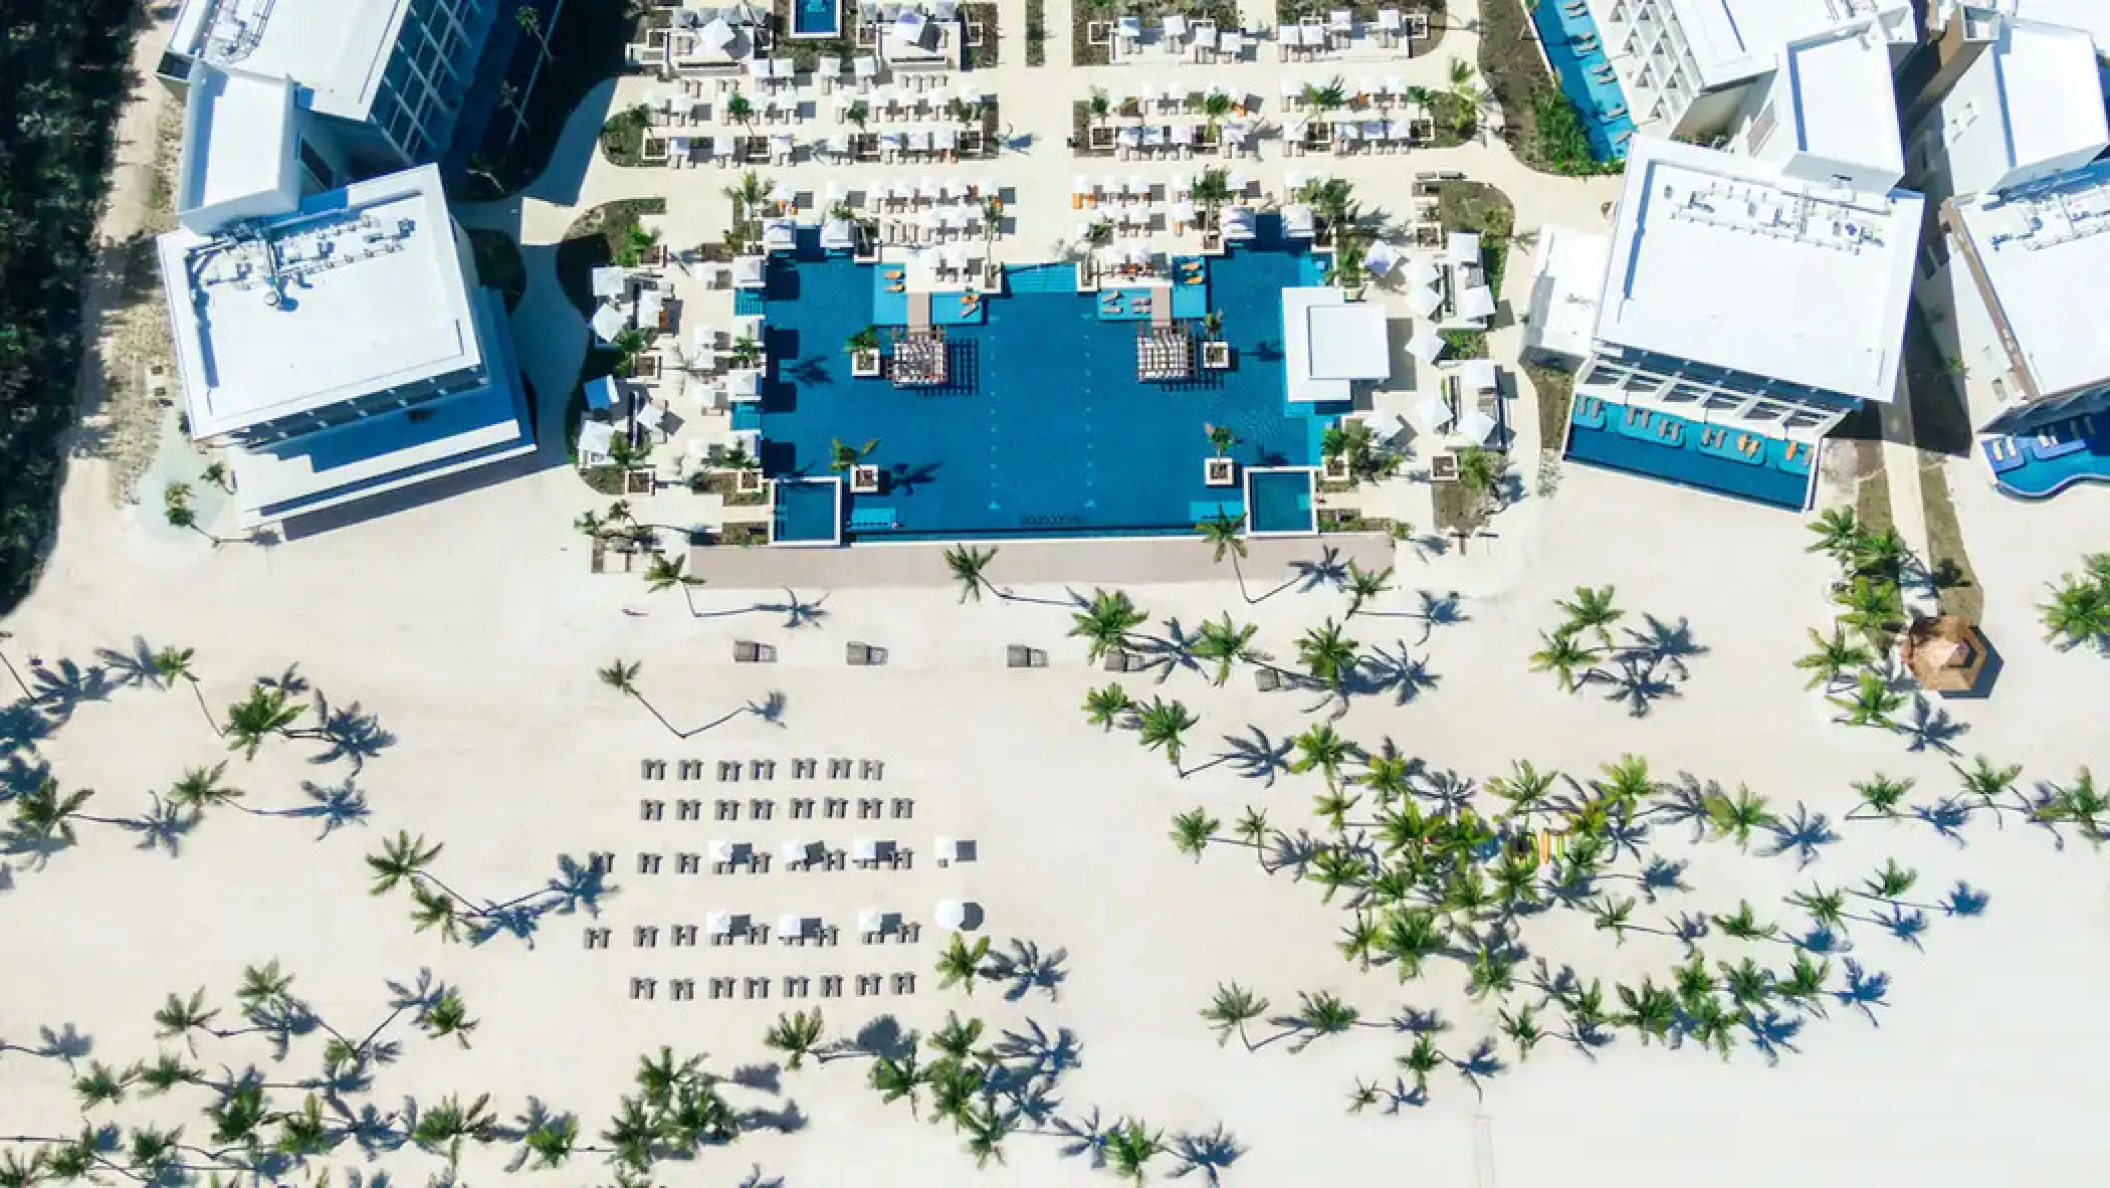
(471, 627)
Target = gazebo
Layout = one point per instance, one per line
(1946, 653)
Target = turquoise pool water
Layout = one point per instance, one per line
(1282, 501)
(1655, 445)
(805, 511)
(1044, 429)
(2040, 465)
(816, 18)
(1577, 53)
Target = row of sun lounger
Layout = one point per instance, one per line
(760, 808)
(730, 770)
(791, 986)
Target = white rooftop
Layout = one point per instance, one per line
(1845, 99)
(335, 48)
(2089, 16)
(1733, 40)
(2032, 104)
(371, 294)
(2045, 255)
(1567, 278)
(1330, 343)
(238, 147)
(1718, 260)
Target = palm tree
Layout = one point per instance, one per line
(1805, 983)
(1320, 748)
(1870, 607)
(1163, 724)
(1831, 659)
(1330, 95)
(402, 858)
(1650, 1010)
(174, 664)
(795, 1035)
(180, 1016)
(1212, 188)
(1328, 655)
(1192, 831)
(1838, 533)
(1130, 1146)
(1560, 655)
(1736, 816)
(1988, 781)
(621, 676)
(664, 573)
(1408, 937)
(986, 1128)
(2077, 613)
(200, 788)
(2078, 804)
(549, 1144)
(1364, 585)
(1591, 610)
(1225, 643)
(44, 814)
(1225, 534)
(1107, 706)
(1522, 1028)
(1230, 1009)
(1421, 1060)
(1106, 623)
(1880, 797)
(1212, 329)
(266, 711)
(1872, 703)
(177, 510)
(1482, 471)
(530, 19)
(897, 1077)
(961, 963)
(966, 562)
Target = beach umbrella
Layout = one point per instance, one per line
(1431, 413)
(1476, 426)
(951, 913)
(1424, 302)
(1426, 345)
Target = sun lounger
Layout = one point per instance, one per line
(1267, 680)
(1021, 656)
(749, 652)
(863, 655)
(1116, 660)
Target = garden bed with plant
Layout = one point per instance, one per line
(623, 137)
(1036, 32)
(983, 52)
(1481, 209)
(596, 239)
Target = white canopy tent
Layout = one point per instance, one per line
(609, 321)
(780, 235)
(719, 36)
(1426, 345)
(1463, 248)
(1476, 302)
(611, 282)
(1478, 375)
(1431, 413)
(1299, 221)
(595, 439)
(1424, 302)
(837, 235)
(1476, 426)
(950, 913)
(748, 272)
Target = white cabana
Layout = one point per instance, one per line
(1463, 248)
(1387, 427)
(797, 852)
(866, 66)
(1380, 258)
(780, 235)
(611, 282)
(652, 416)
(743, 385)
(1424, 302)
(1299, 221)
(723, 850)
(1431, 413)
(1478, 375)
(950, 913)
(838, 235)
(595, 439)
(651, 308)
(1425, 272)
(1237, 223)
(720, 924)
(1426, 345)
(1330, 344)
(872, 920)
(1476, 426)
(719, 36)
(1476, 302)
(609, 321)
(748, 272)
(865, 849)
(952, 849)
(794, 927)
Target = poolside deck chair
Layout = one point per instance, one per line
(1116, 660)
(863, 655)
(1267, 680)
(747, 651)
(1021, 656)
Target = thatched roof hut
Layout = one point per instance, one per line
(1945, 653)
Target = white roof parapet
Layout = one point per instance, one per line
(359, 291)
(1718, 260)
(2044, 251)
(336, 49)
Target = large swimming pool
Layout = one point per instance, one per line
(1578, 56)
(1044, 429)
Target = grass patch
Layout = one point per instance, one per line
(1480, 208)
(592, 241)
(1556, 393)
(1542, 127)
(623, 137)
(1084, 12)
(985, 55)
(590, 41)
(1036, 32)
(1956, 582)
(1458, 508)
(1465, 344)
(499, 265)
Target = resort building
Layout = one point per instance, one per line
(1689, 68)
(2009, 143)
(377, 84)
(1744, 302)
(339, 347)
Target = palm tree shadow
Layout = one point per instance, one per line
(22, 727)
(796, 611)
(1931, 728)
(785, 1119)
(765, 1078)
(132, 669)
(1401, 674)
(335, 805)
(1803, 833)
(162, 827)
(351, 734)
(1255, 756)
(1636, 685)
(1041, 1054)
(59, 691)
(1211, 1153)
(1027, 968)
(1663, 644)
(1326, 570)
